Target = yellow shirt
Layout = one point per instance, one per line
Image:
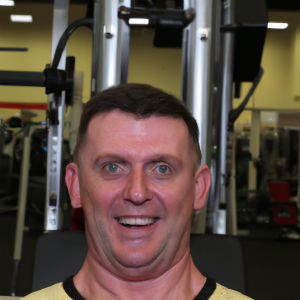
(57, 292)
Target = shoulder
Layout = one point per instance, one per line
(54, 292)
(223, 293)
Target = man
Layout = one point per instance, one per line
(136, 174)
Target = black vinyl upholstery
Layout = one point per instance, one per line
(61, 254)
(58, 256)
(219, 257)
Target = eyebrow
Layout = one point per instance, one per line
(108, 156)
(154, 158)
(165, 157)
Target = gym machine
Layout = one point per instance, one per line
(59, 87)
(111, 48)
(210, 33)
(243, 31)
(222, 43)
(212, 57)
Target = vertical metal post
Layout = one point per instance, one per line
(227, 47)
(53, 219)
(199, 87)
(2, 128)
(76, 109)
(231, 216)
(298, 191)
(254, 145)
(185, 58)
(22, 200)
(123, 48)
(106, 56)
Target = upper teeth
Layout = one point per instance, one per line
(136, 221)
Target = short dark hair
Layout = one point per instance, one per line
(142, 100)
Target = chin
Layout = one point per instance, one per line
(137, 266)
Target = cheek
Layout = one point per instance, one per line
(98, 195)
(177, 198)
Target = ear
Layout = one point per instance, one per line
(202, 184)
(72, 182)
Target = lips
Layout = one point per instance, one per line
(136, 221)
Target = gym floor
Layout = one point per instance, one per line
(271, 266)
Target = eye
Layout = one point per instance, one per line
(163, 169)
(113, 168)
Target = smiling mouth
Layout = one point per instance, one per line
(136, 222)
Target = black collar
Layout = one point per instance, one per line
(70, 289)
(207, 290)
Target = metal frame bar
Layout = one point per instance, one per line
(231, 213)
(105, 52)
(214, 197)
(20, 78)
(197, 67)
(227, 69)
(298, 191)
(123, 48)
(53, 219)
(21, 209)
(254, 145)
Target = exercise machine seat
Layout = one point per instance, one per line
(61, 254)
(58, 256)
(219, 257)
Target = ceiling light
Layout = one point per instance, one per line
(21, 18)
(7, 3)
(273, 25)
(136, 21)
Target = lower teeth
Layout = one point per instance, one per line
(128, 225)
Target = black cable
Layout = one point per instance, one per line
(235, 113)
(64, 38)
(90, 9)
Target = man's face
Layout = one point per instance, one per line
(138, 189)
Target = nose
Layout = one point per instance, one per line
(137, 190)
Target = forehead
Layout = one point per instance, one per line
(118, 131)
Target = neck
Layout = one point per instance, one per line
(182, 281)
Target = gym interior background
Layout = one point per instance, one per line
(272, 263)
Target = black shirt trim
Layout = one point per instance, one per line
(207, 290)
(71, 290)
